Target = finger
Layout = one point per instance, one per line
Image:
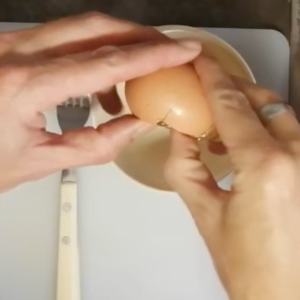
(90, 146)
(190, 178)
(81, 33)
(110, 101)
(284, 127)
(239, 127)
(81, 74)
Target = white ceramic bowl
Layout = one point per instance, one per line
(144, 160)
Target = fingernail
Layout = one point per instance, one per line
(142, 129)
(190, 44)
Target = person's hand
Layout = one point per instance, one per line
(44, 66)
(252, 231)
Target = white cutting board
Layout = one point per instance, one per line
(136, 244)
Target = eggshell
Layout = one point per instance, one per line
(173, 98)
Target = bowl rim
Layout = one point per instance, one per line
(165, 28)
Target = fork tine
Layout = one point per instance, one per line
(76, 102)
(63, 104)
(84, 101)
(68, 102)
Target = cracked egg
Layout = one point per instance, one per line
(171, 98)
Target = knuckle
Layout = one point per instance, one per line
(93, 18)
(278, 164)
(112, 59)
(10, 42)
(94, 144)
(7, 37)
(230, 98)
(270, 96)
(113, 56)
(104, 149)
(277, 175)
(55, 64)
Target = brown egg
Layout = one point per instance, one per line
(173, 98)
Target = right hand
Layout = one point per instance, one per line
(252, 231)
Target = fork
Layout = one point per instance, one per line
(72, 114)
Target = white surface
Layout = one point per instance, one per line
(136, 244)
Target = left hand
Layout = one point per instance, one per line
(252, 231)
(43, 66)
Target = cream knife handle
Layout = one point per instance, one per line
(68, 279)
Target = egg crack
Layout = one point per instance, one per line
(162, 122)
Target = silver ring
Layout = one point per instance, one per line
(273, 110)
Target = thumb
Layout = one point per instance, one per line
(92, 146)
(190, 177)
